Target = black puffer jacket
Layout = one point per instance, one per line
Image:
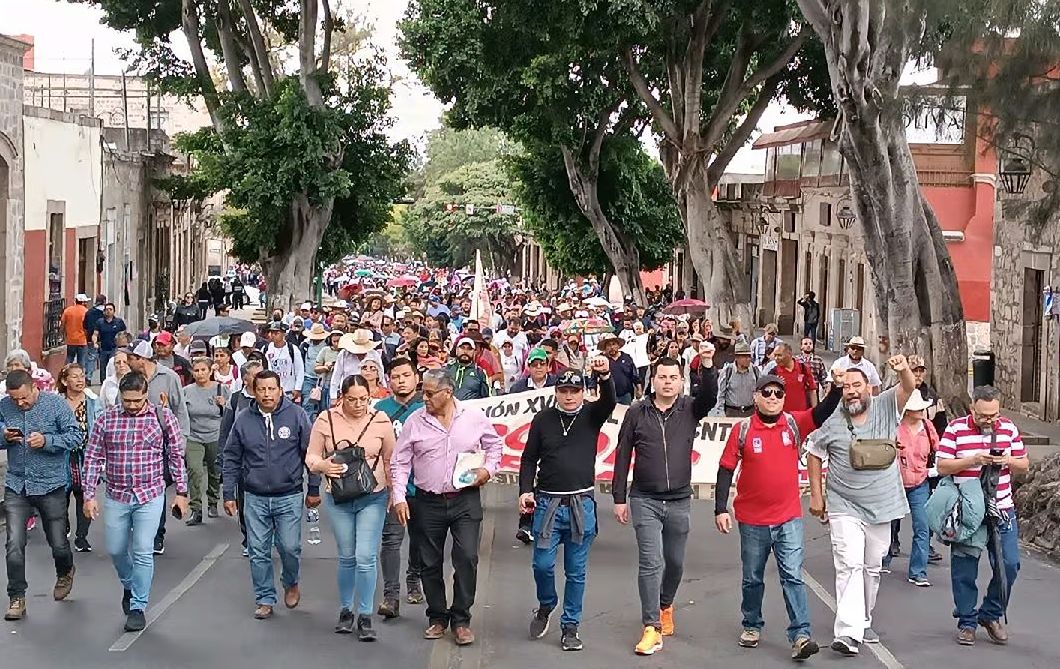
(663, 444)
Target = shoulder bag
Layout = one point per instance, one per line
(359, 479)
(870, 454)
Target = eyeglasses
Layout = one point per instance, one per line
(772, 392)
(537, 363)
(431, 393)
(356, 400)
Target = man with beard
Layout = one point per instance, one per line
(861, 502)
(557, 477)
(470, 380)
(855, 359)
(404, 378)
(165, 355)
(769, 505)
(660, 430)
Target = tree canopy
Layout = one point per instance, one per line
(297, 146)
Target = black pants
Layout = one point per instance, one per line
(526, 521)
(52, 509)
(390, 554)
(436, 517)
(237, 300)
(82, 523)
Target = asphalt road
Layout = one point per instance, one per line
(204, 585)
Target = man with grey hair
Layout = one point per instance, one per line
(861, 502)
(236, 405)
(454, 451)
(985, 448)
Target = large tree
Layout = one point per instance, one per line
(634, 195)
(532, 70)
(296, 146)
(868, 44)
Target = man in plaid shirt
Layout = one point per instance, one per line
(816, 364)
(131, 442)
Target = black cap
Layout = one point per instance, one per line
(769, 380)
(570, 379)
(277, 326)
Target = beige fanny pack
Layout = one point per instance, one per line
(870, 454)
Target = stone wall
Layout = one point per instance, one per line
(1038, 501)
(11, 153)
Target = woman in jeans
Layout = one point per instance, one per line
(357, 524)
(73, 385)
(206, 400)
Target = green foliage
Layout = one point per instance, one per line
(633, 190)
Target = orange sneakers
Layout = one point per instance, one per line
(667, 617)
(650, 642)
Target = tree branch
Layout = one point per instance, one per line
(261, 54)
(779, 63)
(817, 15)
(329, 28)
(705, 24)
(307, 57)
(226, 34)
(640, 84)
(741, 134)
(189, 19)
(731, 89)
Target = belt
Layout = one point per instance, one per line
(444, 495)
(577, 520)
(736, 408)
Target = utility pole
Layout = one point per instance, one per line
(125, 108)
(92, 81)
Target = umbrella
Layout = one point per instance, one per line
(597, 302)
(219, 325)
(403, 282)
(587, 326)
(688, 306)
(364, 272)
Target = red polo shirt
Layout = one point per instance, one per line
(798, 384)
(767, 489)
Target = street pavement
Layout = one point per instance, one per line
(201, 610)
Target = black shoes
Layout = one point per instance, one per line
(160, 546)
(539, 623)
(195, 519)
(211, 511)
(126, 599)
(82, 545)
(364, 629)
(389, 609)
(524, 536)
(135, 621)
(570, 639)
(345, 624)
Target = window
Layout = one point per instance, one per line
(825, 217)
(56, 230)
(771, 162)
(811, 162)
(789, 221)
(789, 160)
(830, 158)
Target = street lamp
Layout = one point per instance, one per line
(845, 216)
(1014, 164)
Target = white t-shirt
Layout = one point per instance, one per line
(520, 346)
(291, 370)
(864, 365)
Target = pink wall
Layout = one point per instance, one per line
(968, 209)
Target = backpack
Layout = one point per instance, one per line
(730, 369)
(745, 427)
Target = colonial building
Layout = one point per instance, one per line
(12, 190)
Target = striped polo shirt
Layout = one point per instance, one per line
(963, 439)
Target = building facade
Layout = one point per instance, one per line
(12, 190)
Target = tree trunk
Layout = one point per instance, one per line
(620, 250)
(914, 282)
(291, 268)
(725, 284)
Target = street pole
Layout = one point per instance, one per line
(92, 81)
(318, 285)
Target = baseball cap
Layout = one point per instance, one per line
(198, 346)
(570, 379)
(164, 338)
(248, 339)
(81, 297)
(142, 350)
(465, 341)
(916, 361)
(537, 354)
(306, 306)
(769, 380)
(277, 326)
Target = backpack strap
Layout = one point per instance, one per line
(794, 427)
(741, 439)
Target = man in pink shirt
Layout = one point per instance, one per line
(431, 439)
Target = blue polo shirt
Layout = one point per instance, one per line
(398, 414)
(108, 330)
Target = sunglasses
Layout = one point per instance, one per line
(772, 392)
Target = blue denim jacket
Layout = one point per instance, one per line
(38, 471)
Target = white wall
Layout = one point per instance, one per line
(62, 163)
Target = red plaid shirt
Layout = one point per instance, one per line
(130, 447)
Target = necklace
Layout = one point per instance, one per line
(567, 428)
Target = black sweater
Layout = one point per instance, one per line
(565, 463)
(663, 444)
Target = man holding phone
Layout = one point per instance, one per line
(39, 431)
(557, 477)
(136, 443)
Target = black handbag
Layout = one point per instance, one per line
(359, 479)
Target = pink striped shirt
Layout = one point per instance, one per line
(963, 439)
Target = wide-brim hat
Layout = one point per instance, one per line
(359, 342)
(917, 402)
(741, 348)
(317, 333)
(856, 341)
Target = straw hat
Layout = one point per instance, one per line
(317, 333)
(359, 342)
(916, 402)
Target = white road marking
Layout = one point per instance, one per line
(885, 656)
(155, 612)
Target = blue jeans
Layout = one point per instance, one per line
(809, 330)
(358, 528)
(78, 354)
(130, 536)
(964, 569)
(625, 399)
(273, 521)
(91, 358)
(575, 558)
(785, 542)
(313, 408)
(918, 554)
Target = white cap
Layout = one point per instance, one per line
(306, 305)
(143, 350)
(248, 339)
(81, 297)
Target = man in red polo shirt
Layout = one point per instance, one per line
(799, 385)
(768, 504)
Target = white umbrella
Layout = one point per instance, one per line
(598, 302)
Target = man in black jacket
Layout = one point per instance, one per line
(557, 476)
(660, 429)
(239, 402)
